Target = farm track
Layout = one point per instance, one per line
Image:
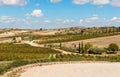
(37, 45)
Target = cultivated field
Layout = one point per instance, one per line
(10, 51)
(44, 32)
(100, 42)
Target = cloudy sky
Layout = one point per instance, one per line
(58, 13)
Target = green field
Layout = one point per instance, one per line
(11, 51)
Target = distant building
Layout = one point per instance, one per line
(17, 39)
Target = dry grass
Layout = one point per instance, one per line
(44, 32)
(100, 42)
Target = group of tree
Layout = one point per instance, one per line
(83, 48)
(100, 30)
(88, 48)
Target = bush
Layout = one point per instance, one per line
(88, 46)
(1, 70)
(96, 50)
(113, 47)
(19, 63)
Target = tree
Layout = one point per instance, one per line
(79, 48)
(113, 47)
(14, 39)
(96, 50)
(60, 44)
(41, 29)
(82, 48)
(118, 29)
(82, 31)
(87, 47)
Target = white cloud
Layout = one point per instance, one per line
(116, 19)
(35, 13)
(66, 21)
(12, 22)
(100, 2)
(80, 1)
(58, 20)
(115, 3)
(47, 21)
(94, 20)
(55, 1)
(13, 2)
(7, 19)
(95, 2)
(37, 4)
(81, 20)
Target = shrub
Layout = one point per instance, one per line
(96, 50)
(113, 47)
(88, 45)
(1, 70)
(19, 63)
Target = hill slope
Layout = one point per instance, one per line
(100, 42)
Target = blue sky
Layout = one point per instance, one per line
(58, 13)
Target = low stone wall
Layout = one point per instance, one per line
(15, 72)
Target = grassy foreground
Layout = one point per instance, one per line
(59, 58)
(13, 55)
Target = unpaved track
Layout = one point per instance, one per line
(38, 45)
(62, 51)
(75, 70)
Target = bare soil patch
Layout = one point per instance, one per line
(100, 42)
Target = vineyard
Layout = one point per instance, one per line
(78, 57)
(72, 37)
(11, 51)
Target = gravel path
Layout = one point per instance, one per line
(38, 45)
(75, 70)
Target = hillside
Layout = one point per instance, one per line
(100, 42)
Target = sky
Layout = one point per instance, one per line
(35, 14)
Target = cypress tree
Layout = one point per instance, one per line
(60, 44)
(79, 48)
(118, 29)
(85, 49)
(82, 48)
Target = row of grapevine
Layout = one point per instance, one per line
(11, 51)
